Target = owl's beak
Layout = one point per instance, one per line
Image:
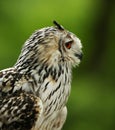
(79, 56)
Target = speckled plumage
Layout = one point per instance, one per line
(34, 92)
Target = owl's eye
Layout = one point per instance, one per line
(68, 44)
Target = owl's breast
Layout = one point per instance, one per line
(54, 94)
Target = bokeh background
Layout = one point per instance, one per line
(91, 105)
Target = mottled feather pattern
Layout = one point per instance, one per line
(19, 111)
(34, 92)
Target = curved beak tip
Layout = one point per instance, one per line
(80, 56)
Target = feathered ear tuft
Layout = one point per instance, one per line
(60, 27)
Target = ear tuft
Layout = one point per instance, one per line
(58, 25)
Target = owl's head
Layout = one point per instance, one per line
(52, 46)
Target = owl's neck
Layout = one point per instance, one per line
(42, 72)
(39, 72)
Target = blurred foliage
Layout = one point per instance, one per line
(91, 105)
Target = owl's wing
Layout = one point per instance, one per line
(19, 111)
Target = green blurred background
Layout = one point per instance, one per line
(91, 105)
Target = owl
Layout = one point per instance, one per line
(34, 92)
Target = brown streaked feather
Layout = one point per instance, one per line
(19, 111)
